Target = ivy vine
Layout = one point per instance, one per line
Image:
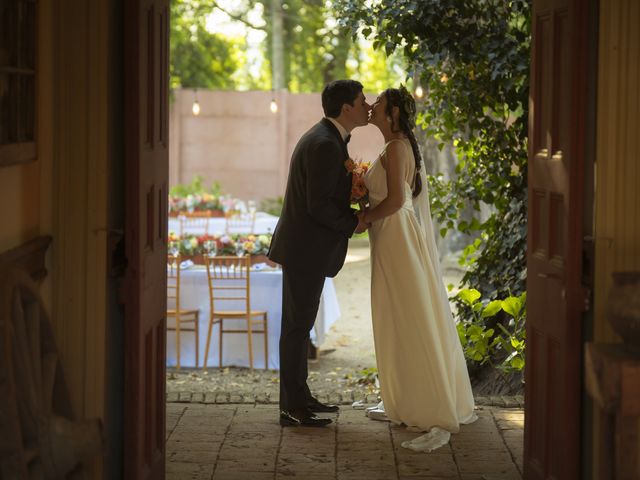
(471, 58)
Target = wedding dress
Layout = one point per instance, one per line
(423, 376)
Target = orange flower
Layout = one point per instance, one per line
(359, 190)
(350, 165)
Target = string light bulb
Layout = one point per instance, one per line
(195, 108)
(274, 106)
(419, 91)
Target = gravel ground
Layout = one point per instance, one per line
(341, 369)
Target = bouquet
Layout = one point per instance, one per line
(359, 192)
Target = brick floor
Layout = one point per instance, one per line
(245, 442)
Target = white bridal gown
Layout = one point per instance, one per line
(423, 376)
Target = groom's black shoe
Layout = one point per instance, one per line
(303, 418)
(318, 407)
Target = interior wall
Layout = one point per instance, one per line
(19, 204)
(83, 103)
(25, 206)
(617, 199)
(617, 196)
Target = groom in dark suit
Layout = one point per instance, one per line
(311, 238)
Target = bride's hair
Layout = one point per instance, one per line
(401, 98)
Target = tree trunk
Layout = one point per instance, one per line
(277, 61)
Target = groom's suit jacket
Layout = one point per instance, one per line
(316, 222)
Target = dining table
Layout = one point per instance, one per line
(266, 294)
(264, 224)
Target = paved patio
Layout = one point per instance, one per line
(245, 442)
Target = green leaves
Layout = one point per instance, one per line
(474, 63)
(195, 188)
(476, 342)
(473, 60)
(481, 343)
(513, 306)
(492, 308)
(469, 296)
(517, 363)
(199, 58)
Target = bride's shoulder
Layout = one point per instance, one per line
(396, 147)
(395, 150)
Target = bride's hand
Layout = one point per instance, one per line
(362, 226)
(362, 217)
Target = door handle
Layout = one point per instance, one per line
(117, 258)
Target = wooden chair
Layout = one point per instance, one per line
(194, 225)
(240, 223)
(229, 281)
(182, 316)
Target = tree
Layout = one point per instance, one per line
(316, 48)
(472, 59)
(200, 59)
(373, 68)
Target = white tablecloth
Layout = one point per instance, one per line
(264, 223)
(266, 294)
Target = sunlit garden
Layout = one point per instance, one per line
(469, 75)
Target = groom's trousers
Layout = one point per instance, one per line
(301, 291)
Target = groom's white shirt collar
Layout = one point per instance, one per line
(341, 129)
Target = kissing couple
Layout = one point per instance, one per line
(424, 383)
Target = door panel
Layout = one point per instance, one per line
(554, 258)
(146, 157)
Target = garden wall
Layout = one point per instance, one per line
(237, 141)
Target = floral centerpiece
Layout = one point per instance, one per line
(196, 247)
(195, 200)
(197, 205)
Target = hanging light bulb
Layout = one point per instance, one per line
(419, 91)
(195, 108)
(274, 106)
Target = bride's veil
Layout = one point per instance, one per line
(423, 213)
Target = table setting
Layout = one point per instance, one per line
(266, 294)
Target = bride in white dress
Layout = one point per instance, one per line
(423, 376)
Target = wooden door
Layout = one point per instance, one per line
(146, 170)
(556, 299)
